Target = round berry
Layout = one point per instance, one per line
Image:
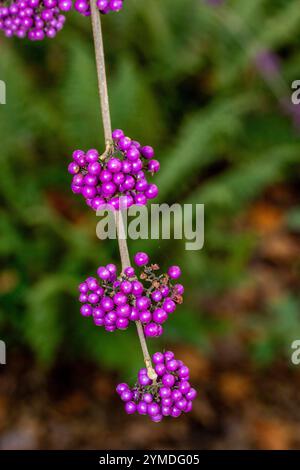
(117, 133)
(121, 388)
(158, 358)
(168, 380)
(129, 271)
(141, 259)
(147, 152)
(86, 310)
(153, 409)
(130, 407)
(174, 272)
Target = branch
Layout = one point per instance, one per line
(104, 105)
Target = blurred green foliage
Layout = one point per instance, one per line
(182, 78)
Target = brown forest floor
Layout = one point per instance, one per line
(76, 408)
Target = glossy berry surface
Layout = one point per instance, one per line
(147, 296)
(170, 395)
(33, 19)
(104, 6)
(116, 179)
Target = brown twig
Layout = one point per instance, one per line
(104, 105)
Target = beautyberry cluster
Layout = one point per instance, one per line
(160, 296)
(118, 177)
(106, 299)
(170, 395)
(104, 6)
(34, 19)
(115, 301)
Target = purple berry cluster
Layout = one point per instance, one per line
(115, 301)
(160, 296)
(118, 177)
(104, 6)
(33, 19)
(169, 395)
(106, 299)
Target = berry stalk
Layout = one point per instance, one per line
(105, 110)
(101, 72)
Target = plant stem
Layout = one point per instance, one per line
(101, 73)
(104, 105)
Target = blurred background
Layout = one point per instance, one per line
(208, 84)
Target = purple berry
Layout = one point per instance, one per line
(126, 287)
(86, 310)
(157, 418)
(144, 380)
(152, 191)
(179, 289)
(153, 166)
(172, 365)
(142, 408)
(158, 358)
(141, 259)
(156, 296)
(143, 303)
(129, 271)
(107, 304)
(122, 323)
(120, 299)
(124, 311)
(153, 409)
(147, 398)
(166, 410)
(191, 394)
(117, 133)
(164, 291)
(73, 168)
(111, 268)
(160, 315)
(130, 407)
(165, 392)
(160, 369)
(92, 156)
(126, 395)
(103, 273)
(145, 316)
(137, 288)
(132, 154)
(169, 355)
(98, 312)
(151, 330)
(176, 395)
(175, 412)
(121, 388)
(181, 404)
(147, 152)
(124, 143)
(134, 314)
(168, 380)
(83, 288)
(183, 372)
(174, 272)
(169, 305)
